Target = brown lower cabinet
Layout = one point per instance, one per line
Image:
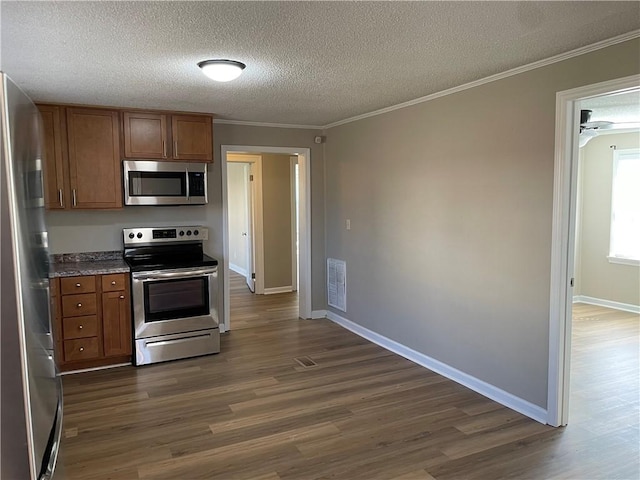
(91, 320)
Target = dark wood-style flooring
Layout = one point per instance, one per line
(306, 399)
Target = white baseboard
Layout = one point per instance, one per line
(625, 307)
(237, 269)
(271, 291)
(316, 314)
(494, 393)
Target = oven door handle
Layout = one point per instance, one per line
(163, 275)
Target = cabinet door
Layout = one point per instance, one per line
(55, 194)
(116, 323)
(145, 135)
(192, 137)
(94, 158)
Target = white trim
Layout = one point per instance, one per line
(600, 302)
(105, 367)
(316, 314)
(265, 124)
(563, 233)
(623, 261)
(483, 388)
(304, 170)
(237, 269)
(293, 162)
(499, 76)
(257, 225)
(273, 290)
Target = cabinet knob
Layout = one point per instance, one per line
(79, 305)
(113, 283)
(82, 349)
(78, 285)
(121, 297)
(80, 327)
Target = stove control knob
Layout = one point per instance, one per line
(182, 233)
(196, 232)
(139, 235)
(131, 235)
(188, 233)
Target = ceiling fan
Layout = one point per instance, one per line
(589, 129)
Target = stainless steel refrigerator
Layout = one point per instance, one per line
(31, 391)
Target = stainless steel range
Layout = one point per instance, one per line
(174, 289)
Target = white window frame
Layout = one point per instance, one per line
(617, 156)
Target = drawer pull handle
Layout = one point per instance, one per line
(78, 285)
(80, 327)
(79, 305)
(82, 349)
(113, 283)
(121, 297)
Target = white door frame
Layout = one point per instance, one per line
(293, 162)
(256, 258)
(563, 238)
(304, 160)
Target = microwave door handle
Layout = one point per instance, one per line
(188, 182)
(150, 276)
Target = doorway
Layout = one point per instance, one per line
(244, 206)
(563, 238)
(303, 251)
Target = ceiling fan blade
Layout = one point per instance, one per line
(601, 125)
(622, 126)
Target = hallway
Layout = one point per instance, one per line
(249, 310)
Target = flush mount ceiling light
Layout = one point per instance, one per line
(222, 70)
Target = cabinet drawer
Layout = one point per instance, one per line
(81, 349)
(71, 285)
(78, 305)
(80, 327)
(114, 282)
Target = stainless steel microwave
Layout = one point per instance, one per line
(148, 182)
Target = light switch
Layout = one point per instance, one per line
(348, 222)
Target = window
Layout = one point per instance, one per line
(624, 245)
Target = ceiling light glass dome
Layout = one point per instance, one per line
(222, 70)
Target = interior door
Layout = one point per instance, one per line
(249, 237)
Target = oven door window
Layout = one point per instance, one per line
(157, 184)
(180, 298)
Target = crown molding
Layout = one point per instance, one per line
(265, 124)
(498, 76)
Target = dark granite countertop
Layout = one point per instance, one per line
(90, 263)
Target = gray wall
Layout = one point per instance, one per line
(101, 230)
(276, 207)
(450, 203)
(597, 277)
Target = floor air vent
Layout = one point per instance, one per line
(305, 362)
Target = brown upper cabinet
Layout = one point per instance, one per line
(95, 176)
(56, 186)
(81, 157)
(171, 137)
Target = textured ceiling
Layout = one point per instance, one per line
(308, 63)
